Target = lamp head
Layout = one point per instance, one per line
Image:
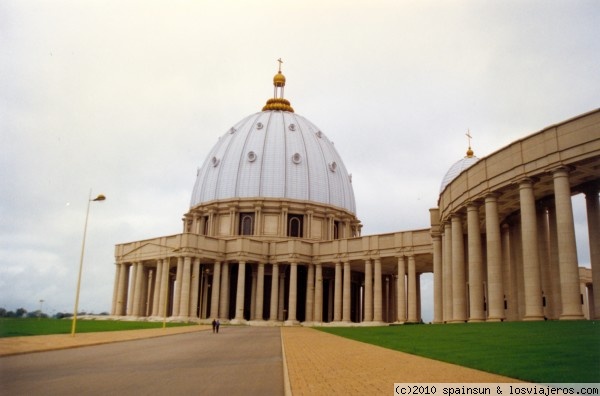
(100, 197)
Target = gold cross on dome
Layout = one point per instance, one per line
(280, 62)
(468, 134)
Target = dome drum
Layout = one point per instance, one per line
(271, 218)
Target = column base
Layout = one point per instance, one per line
(572, 317)
(495, 320)
(291, 323)
(533, 318)
(476, 320)
(236, 321)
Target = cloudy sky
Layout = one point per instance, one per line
(127, 98)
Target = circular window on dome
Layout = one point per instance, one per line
(214, 161)
(259, 125)
(319, 134)
(296, 158)
(292, 127)
(332, 166)
(232, 130)
(252, 156)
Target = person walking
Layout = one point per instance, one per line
(214, 325)
(217, 325)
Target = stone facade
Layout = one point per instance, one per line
(501, 246)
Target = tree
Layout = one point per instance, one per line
(20, 312)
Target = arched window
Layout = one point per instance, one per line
(246, 223)
(295, 226)
(205, 230)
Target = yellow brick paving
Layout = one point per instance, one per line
(323, 364)
(317, 363)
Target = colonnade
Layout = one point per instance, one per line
(492, 266)
(187, 287)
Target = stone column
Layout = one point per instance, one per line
(137, 296)
(377, 292)
(164, 288)
(122, 293)
(195, 288)
(401, 287)
(310, 293)
(253, 274)
(544, 257)
(346, 293)
(274, 292)
(531, 264)
(555, 298)
(368, 291)
(494, 259)
(459, 294)
(593, 221)
(293, 296)
(132, 281)
(438, 279)
(184, 302)
(476, 298)
(318, 314)
(280, 307)
(239, 295)
(204, 306)
(214, 296)
(510, 277)
(337, 310)
(156, 297)
(115, 297)
(447, 269)
(224, 299)
(567, 248)
(412, 290)
(177, 291)
(260, 291)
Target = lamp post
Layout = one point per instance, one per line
(40, 313)
(100, 197)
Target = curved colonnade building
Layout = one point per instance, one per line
(272, 237)
(503, 233)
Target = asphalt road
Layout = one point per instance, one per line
(241, 360)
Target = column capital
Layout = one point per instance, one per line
(473, 204)
(526, 181)
(492, 196)
(562, 169)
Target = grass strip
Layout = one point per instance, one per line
(542, 352)
(11, 327)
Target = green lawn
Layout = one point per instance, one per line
(543, 352)
(10, 327)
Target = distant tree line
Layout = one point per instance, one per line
(23, 313)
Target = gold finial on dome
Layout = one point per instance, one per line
(278, 102)
(279, 79)
(470, 152)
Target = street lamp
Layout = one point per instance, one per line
(40, 313)
(100, 197)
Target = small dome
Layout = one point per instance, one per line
(279, 80)
(457, 168)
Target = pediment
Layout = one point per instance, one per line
(147, 251)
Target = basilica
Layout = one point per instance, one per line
(271, 236)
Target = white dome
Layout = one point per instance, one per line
(275, 154)
(457, 169)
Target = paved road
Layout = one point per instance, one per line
(239, 360)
